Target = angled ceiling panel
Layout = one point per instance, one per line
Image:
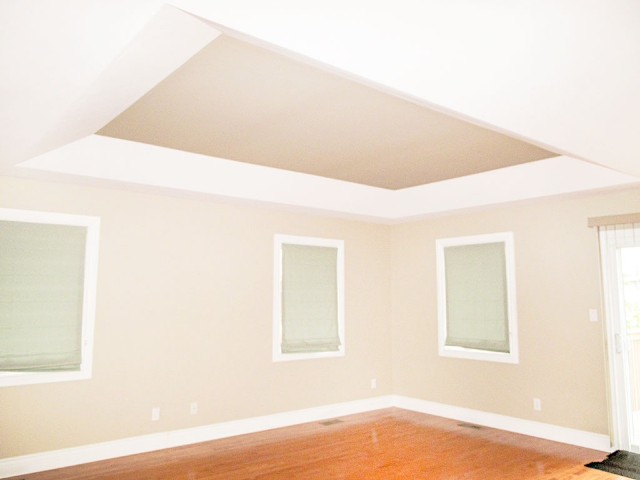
(166, 42)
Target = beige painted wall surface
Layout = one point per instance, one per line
(557, 279)
(184, 313)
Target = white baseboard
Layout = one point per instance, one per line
(67, 457)
(579, 438)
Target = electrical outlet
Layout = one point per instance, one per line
(155, 414)
(374, 383)
(537, 405)
(193, 408)
(593, 315)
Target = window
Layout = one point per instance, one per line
(308, 320)
(476, 298)
(48, 272)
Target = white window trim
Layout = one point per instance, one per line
(469, 353)
(279, 239)
(89, 302)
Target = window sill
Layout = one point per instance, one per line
(10, 379)
(470, 354)
(285, 357)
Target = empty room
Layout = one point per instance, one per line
(282, 239)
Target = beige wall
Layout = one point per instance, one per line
(557, 280)
(184, 313)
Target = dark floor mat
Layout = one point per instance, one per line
(620, 462)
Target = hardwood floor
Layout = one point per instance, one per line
(387, 444)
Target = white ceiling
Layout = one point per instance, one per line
(560, 75)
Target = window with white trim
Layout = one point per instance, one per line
(477, 316)
(48, 274)
(308, 319)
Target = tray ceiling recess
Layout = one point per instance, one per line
(242, 102)
(191, 107)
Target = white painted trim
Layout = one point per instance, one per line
(278, 240)
(67, 457)
(595, 441)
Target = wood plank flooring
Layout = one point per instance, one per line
(386, 444)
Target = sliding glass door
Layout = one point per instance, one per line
(620, 254)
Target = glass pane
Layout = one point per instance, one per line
(630, 263)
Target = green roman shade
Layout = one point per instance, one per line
(476, 297)
(41, 296)
(309, 299)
